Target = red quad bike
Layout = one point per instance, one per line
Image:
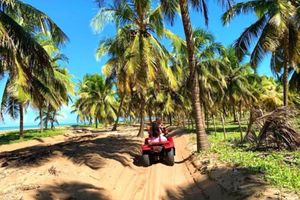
(154, 152)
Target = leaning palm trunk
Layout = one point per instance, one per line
(142, 116)
(241, 130)
(150, 115)
(41, 119)
(234, 113)
(118, 115)
(47, 117)
(223, 123)
(240, 110)
(53, 120)
(214, 122)
(233, 109)
(96, 122)
(285, 84)
(143, 64)
(170, 119)
(202, 141)
(21, 121)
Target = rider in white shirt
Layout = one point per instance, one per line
(156, 135)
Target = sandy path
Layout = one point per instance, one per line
(102, 167)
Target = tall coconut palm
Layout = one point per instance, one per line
(209, 65)
(23, 58)
(139, 24)
(96, 99)
(238, 89)
(170, 8)
(275, 31)
(115, 67)
(14, 102)
(58, 85)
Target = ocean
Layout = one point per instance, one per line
(26, 127)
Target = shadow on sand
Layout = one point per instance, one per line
(83, 150)
(237, 187)
(177, 132)
(71, 191)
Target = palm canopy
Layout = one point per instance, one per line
(138, 26)
(208, 63)
(170, 7)
(21, 54)
(274, 24)
(268, 93)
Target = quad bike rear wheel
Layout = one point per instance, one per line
(170, 157)
(146, 160)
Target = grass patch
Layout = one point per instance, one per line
(100, 125)
(280, 168)
(13, 136)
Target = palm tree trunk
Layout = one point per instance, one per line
(53, 118)
(47, 117)
(224, 110)
(233, 109)
(142, 116)
(234, 113)
(96, 122)
(21, 110)
(170, 120)
(202, 140)
(240, 110)
(241, 131)
(150, 115)
(223, 123)
(207, 118)
(214, 121)
(41, 119)
(118, 115)
(285, 84)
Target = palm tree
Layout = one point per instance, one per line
(20, 22)
(138, 25)
(23, 58)
(62, 87)
(169, 7)
(238, 90)
(14, 102)
(208, 63)
(49, 116)
(58, 86)
(96, 99)
(275, 31)
(115, 68)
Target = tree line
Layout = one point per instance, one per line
(198, 79)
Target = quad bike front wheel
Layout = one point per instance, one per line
(170, 157)
(146, 160)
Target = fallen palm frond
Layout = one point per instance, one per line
(276, 130)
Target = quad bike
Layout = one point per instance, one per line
(161, 151)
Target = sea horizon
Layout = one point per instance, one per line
(26, 127)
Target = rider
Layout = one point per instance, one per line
(156, 133)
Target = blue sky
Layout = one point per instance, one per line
(74, 18)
